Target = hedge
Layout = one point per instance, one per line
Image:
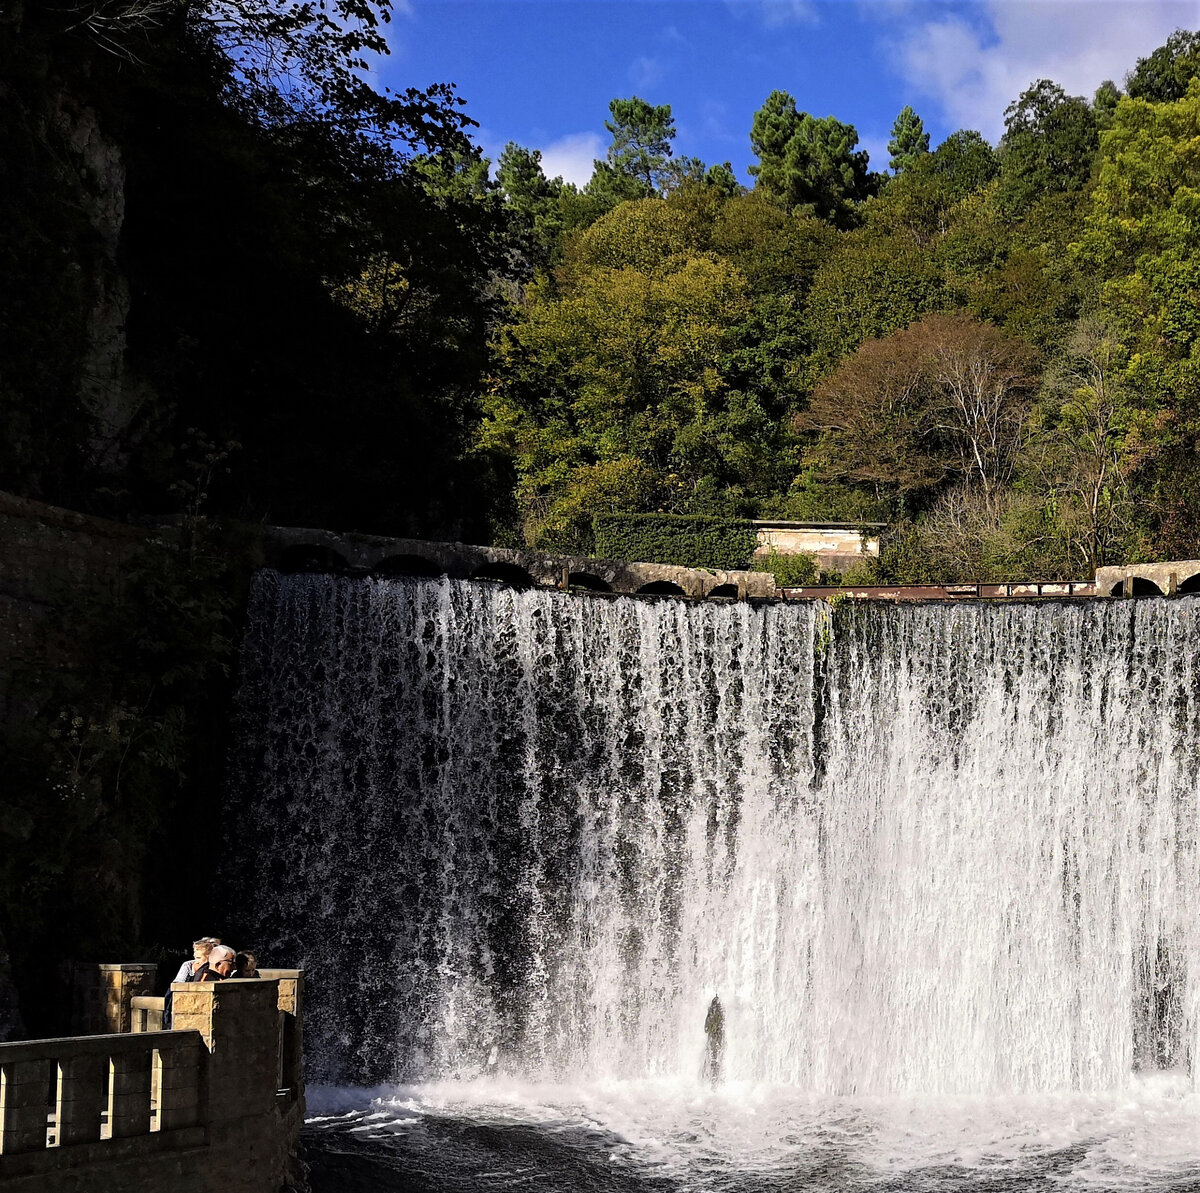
(685, 540)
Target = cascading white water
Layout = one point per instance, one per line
(918, 848)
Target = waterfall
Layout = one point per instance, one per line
(928, 847)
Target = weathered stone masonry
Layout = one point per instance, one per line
(216, 1104)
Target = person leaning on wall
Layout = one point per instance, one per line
(220, 965)
(200, 950)
(188, 971)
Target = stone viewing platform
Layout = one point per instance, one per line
(215, 1104)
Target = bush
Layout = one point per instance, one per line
(790, 571)
(685, 540)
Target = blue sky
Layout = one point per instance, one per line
(541, 72)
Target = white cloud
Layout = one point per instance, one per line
(775, 14)
(975, 60)
(645, 72)
(571, 157)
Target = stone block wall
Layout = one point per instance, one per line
(46, 552)
(102, 995)
(198, 1109)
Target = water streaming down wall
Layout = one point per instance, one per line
(913, 848)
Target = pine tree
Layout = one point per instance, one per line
(641, 141)
(909, 140)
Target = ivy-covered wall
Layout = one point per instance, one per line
(685, 540)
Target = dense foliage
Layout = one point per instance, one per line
(993, 350)
(400, 335)
(681, 539)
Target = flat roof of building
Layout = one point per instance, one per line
(818, 525)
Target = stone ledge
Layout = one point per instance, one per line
(78, 1155)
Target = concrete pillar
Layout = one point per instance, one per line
(104, 994)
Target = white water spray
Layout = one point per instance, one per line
(922, 848)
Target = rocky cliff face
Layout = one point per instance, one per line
(98, 170)
(62, 218)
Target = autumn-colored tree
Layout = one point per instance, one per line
(946, 397)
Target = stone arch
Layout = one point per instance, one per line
(311, 557)
(1138, 586)
(504, 573)
(407, 565)
(727, 592)
(1191, 584)
(587, 581)
(661, 588)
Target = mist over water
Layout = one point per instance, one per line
(920, 851)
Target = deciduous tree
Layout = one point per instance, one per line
(946, 397)
(1165, 74)
(1050, 143)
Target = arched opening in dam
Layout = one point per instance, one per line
(510, 574)
(661, 588)
(588, 582)
(1137, 586)
(938, 863)
(408, 565)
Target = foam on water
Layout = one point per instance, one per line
(756, 1137)
(924, 850)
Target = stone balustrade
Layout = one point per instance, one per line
(146, 1013)
(214, 1104)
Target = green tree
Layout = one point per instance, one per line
(775, 124)
(828, 175)
(638, 159)
(534, 204)
(909, 141)
(808, 164)
(1141, 240)
(1165, 74)
(1081, 451)
(652, 374)
(964, 162)
(1050, 144)
(868, 287)
(722, 178)
(1104, 103)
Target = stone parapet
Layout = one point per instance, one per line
(102, 995)
(199, 1109)
(294, 549)
(1167, 578)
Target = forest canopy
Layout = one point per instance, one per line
(990, 348)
